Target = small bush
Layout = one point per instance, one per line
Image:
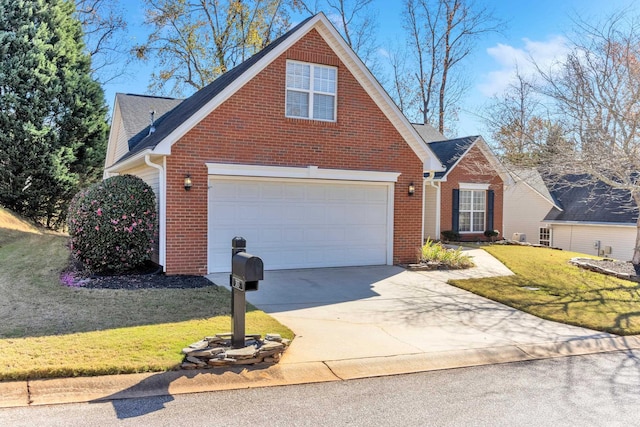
(491, 234)
(433, 252)
(112, 224)
(450, 236)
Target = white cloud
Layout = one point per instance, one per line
(545, 54)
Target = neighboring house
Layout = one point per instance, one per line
(591, 219)
(298, 149)
(467, 196)
(526, 202)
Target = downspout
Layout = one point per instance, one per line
(162, 207)
(430, 179)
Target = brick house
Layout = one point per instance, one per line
(467, 196)
(298, 149)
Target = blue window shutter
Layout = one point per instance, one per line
(490, 197)
(455, 216)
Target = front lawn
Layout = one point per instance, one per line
(547, 286)
(51, 330)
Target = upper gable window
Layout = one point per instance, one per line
(311, 91)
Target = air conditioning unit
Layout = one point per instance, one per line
(519, 237)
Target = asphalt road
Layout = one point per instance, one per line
(596, 390)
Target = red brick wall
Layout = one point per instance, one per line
(251, 128)
(473, 168)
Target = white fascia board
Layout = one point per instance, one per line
(310, 172)
(380, 96)
(131, 161)
(164, 146)
(518, 180)
(592, 224)
(355, 66)
(506, 177)
(444, 178)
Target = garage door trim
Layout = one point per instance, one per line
(311, 175)
(310, 172)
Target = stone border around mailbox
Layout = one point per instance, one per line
(217, 351)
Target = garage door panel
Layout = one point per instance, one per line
(295, 224)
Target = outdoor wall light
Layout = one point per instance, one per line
(412, 189)
(187, 182)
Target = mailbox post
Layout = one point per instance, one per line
(246, 271)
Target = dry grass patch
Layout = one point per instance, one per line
(546, 285)
(50, 330)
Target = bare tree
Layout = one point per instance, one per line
(195, 42)
(442, 34)
(356, 20)
(597, 96)
(523, 133)
(104, 30)
(400, 85)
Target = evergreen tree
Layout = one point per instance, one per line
(53, 126)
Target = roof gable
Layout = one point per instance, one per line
(451, 151)
(191, 111)
(532, 178)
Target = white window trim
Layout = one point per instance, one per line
(311, 92)
(550, 233)
(474, 188)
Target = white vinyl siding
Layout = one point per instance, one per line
(152, 177)
(430, 212)
(311, 91)
(524, 210)
(581, 238)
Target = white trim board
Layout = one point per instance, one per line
(309, 172)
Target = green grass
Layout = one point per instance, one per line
(51, 330)
(547, 286)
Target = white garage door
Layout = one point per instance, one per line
(299, 223)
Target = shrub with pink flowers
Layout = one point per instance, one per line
(113, 224)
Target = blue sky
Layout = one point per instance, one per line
(535, 28)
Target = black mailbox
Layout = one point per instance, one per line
(246, 271)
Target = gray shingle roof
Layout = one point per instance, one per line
(135, 109)
(533, 178)
(590, 202)
(428, 132)
(449, 151)
(166, 124)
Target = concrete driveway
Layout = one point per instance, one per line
(360, 313)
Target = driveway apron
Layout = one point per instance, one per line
(367, 312)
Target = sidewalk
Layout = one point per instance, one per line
(356, 322)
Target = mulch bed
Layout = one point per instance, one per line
(147, 281)
(621, 269)
(148, 276)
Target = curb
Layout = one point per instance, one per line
(113, 387)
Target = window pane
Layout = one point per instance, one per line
(465, 221)
(298, 76)
(478, 221)
(323, 107)
(478, 200)
(465, 200)
(297, 104)
(324, 79)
